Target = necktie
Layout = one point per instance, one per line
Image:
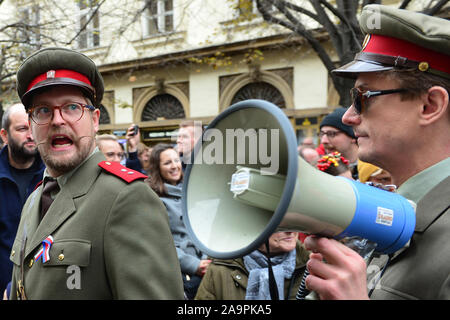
(46, 199)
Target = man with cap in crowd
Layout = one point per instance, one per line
(337, 136)
(401, 117)
(93, 229)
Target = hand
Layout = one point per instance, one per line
(132, 140)
(203, 266)
(342, 276)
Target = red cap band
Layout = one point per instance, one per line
(61, 73)
(396, 47)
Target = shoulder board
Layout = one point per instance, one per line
(38, 184)
(120, 171)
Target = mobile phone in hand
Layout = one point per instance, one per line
(135, 130)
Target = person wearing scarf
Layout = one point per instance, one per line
(248, 277)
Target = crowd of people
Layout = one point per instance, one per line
(110, 215)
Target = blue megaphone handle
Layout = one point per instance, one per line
(380, 216)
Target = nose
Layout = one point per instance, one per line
(57, 119)
(115, 158)
(351, 117)
(324, 139)
(173, 165)
(29, 135)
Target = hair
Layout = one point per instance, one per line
(6, 119)
(155, 180)
(105, 137)
(141, 148)
(190, 123)
(416, 82)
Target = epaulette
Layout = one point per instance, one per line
(120, 171)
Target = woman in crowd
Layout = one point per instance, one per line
(166, 179)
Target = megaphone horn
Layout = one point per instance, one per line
(246, 181)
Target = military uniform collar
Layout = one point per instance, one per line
(62, 179)
(432, 205)
(420, 184)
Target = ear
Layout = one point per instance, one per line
(96, 119)
(435, 105)
(4, 135)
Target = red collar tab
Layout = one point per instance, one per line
(120, 171)
(400, 48)
(61, 73)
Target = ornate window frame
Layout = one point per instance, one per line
(155, 90)
(256, 75)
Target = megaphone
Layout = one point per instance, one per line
(246, 181)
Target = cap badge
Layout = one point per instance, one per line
(50, 74)
(366, 41)
(423, 66)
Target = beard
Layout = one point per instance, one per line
(64, 163)
(19, 152)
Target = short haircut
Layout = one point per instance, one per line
(6, 119)
(105, 137)
(191, 123)
(416, 82)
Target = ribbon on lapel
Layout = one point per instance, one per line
(44, 252)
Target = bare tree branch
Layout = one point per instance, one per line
(433, 10)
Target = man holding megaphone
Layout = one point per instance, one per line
(400, 114)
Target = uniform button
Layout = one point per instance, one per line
(108, 163)
(238, 277)
(123, 170)
(61, 257)
(30, 264)
(130, 172)
(13, 253)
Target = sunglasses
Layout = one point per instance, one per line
(359, 97)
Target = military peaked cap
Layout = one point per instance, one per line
(397, 38)
(59, 66)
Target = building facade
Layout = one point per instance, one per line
(164, 61)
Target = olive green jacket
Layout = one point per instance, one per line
(111, 241)
(227, 279)
(422, 271)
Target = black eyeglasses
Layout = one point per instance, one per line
(70, 112)
(329, 134)
(359, 97)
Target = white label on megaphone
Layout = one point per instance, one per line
(240, 182)
(385, 216)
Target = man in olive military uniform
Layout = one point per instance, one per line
(105, 234)
(401, 118)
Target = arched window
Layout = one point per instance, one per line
(162, 106)
(260, 90)
(104, 115)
